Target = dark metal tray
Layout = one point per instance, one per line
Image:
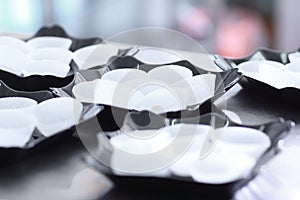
(185, 187)
(224, 81)
(257, 87)
(40, 88)
(38, 141)
(38, 82)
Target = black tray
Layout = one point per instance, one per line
(34, 82)
(186, 187)
(289, 94)
(39, 82)
(39, 142)
(224, 81)
(110, 122)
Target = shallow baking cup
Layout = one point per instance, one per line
(57, 114)
(16, 128)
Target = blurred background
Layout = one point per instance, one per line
(232, 28)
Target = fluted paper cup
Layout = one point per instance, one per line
(156, 102)
(244, 140)
(294, 57)
(47, 67)
(54, 54)
(199, 88)
(155, 56)
(192, 137)
(49, 42)
(57, 114)
(251, 68)
(129, 149)
(124, 74)
(277, 77)
(15, 43)
(221, 168)
(12, 60)
(114, 94)
(85, 91)
(16, 128)
(170, 73)
(95, 55)
(24, 104)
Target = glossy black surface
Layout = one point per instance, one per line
(39, 96)
(112, 118)
(34, 82)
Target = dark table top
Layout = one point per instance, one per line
(60, 173)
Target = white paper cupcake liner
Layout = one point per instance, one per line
(85, 91)
(190, 139)
(200, 88)
(114, 94)
(23, 104)
(244, 140)
(46, 67)
(54, 128)
(15, 43)
(136, 149)
(221, 168)
(91, 56)
(55, 54)
(170, 73)
(57, 114)
(272, 73)
(294, 57)
(142, 142)
(251, 68)
(12, 60)
(16, 128)
(161, 101)
(293, 67)
(156, 56)
(123, 75)
(49, 42)
(278, 78)
(182, 165)
(145, 85)
(290, 79)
